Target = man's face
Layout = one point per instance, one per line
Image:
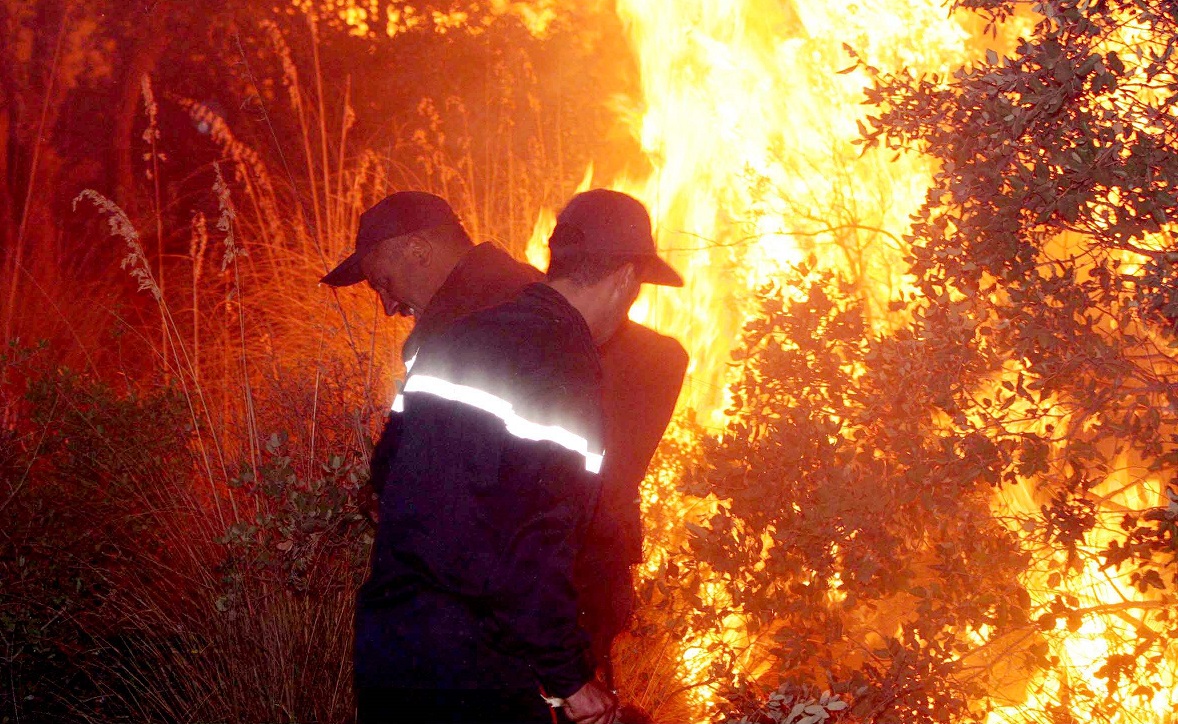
(390, 273)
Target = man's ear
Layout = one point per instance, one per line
(626, 279)
(418, 249)
(630, 274)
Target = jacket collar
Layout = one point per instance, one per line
(555, 303)
(485, 276)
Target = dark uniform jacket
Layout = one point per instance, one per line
(642, 372)
(493, 481)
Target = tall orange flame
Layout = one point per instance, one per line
(748, 128)
(748, 124)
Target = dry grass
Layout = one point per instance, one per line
(213, 582)
(206, 544)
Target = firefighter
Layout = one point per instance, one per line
(429, 268)
(493, 480)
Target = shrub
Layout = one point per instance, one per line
(127, 597)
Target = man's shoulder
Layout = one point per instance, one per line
(636, 344)
(490, 260)
(485, 277)
(522, 336)
(526, 359)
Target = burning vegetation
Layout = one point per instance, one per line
(923, 468)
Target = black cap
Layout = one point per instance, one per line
(398, 214)
(611, 223)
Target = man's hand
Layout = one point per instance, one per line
(592, 704)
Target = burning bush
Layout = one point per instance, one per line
(852, 545)
(976, 511)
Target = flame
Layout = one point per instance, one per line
(1111, 623)
(749, 126)
(748, 121)
(1113, 617)
(749, 130)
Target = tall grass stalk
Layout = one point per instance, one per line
(135, 261)
(14, 275)
(233, 252)
(246, 614)
(152, 135)
(196, 251)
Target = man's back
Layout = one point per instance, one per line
(493, 479)
(642, 374)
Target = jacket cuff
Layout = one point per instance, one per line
(567, 679)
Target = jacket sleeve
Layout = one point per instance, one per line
(382, 453)
(498, 520)
(535, 600)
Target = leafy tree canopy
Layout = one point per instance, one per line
(921, 520)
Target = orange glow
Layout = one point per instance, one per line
(365, 18)
(1114, 623)
(748, 129)
(748, 125)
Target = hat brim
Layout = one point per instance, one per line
(657, 271)
(346, 274)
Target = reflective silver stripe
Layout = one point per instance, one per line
(399, 400)
(497, 406)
